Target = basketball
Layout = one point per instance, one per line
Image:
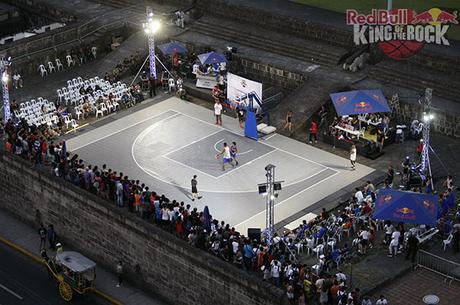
(399, 50)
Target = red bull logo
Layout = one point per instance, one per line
(342, 100)
(385, 199)
(405, 211)
(402, 32)
(435, 16)
(405, 214)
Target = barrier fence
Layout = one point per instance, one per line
(442, 266)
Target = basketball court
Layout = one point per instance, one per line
(165, 144)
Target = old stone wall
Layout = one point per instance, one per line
(444, 122)
(261, 71)
(169, 267)
(299, 28)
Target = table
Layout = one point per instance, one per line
(431, 299)
(356, 133)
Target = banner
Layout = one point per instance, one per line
(238, 86)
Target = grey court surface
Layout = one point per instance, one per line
(165, 144)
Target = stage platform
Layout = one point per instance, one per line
(165, 144)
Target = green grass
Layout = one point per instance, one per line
(365, 6)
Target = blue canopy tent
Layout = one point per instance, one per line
(170, 47)
(406, 207)
(211, 58)
(359, 102)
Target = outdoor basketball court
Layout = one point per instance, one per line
(165, 144)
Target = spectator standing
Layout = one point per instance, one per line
(42, 234)
(353, 156)
(313, 133)
(412, 249)
(51, 237)
(218, 112)
(152, 86)
(119, 270)
(275, 272)
(394, 243)
(288, 122)
(17, 80)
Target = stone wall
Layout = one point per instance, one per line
(266, 73)
(444, 122)
(169, 267)
(299, 28)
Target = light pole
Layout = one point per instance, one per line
(150, 27)
(5, 63)
(427, 118)
(269, 189)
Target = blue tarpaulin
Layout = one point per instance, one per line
(359, 102)
(170, 47)
(211, 58)
(410, 207)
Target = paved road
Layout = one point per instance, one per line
(24, 282)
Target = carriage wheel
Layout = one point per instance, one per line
(66, 291)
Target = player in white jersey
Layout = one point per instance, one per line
(226, 156)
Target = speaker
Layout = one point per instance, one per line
(277, 186)
(262, 188)
(254, 233)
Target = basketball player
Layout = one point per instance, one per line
(195, 193)
(226, 156)
(233, 152)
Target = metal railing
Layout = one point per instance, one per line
(437, 264)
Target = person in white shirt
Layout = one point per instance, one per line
(218, 112)
(275, 271)
(353, 157)
(359, 195)
(17, 80)
(364, 240)
(394, 243)
(381, 301)
(195, 69)
(388, 232)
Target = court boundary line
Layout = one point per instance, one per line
(247, 163)
(263, 143)
(191, 143)
(289, 198)
(155, 175)
(124, 128)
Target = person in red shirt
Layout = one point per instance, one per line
(420, 147)
(313, 132)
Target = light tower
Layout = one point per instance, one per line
(425, 166)
(269, 189)
(5, 64)
(150, 28)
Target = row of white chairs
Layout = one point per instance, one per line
(52, 68)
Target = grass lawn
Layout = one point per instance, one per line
(365, 6)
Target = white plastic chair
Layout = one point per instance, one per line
(318, 250)
(109, 106)
(115, 105)
(59, 64)
(448, 241)
(42, 70)
(67, 121)
(70, 61)
(99, 110)
(171, 84)
(74, 124)
(78, 112)
(51, 67)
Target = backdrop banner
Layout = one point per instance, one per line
(238, 86)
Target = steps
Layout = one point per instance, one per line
(417, 79)
(308, 51)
